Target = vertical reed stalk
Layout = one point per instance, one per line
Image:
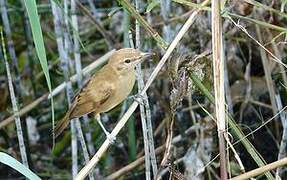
(219, 91)
(146, 107)
(14, 105)
(142, 107)
(64, 65)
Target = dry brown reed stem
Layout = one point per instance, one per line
(84, 172)
(218, 75)
(86, 71)
(261, 170)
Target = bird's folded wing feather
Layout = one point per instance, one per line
(93, 95)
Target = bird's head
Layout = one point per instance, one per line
(126, 59)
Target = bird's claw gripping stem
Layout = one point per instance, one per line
(139, 99)
(110, 137)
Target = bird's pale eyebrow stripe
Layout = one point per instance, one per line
(134, 58)
(138, 57)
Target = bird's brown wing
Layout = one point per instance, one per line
(92, 95)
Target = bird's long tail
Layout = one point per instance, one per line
(62, 124)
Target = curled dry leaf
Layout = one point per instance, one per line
(178, 68)
(179, 80)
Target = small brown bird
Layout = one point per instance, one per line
(107, 88)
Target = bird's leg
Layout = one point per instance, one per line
(139, 99)
(108, 135)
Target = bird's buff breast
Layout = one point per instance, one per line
(123, 88)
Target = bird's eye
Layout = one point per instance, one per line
(127, 61)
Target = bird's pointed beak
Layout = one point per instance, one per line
(146, 55)
(143, 56)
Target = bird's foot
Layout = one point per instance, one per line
(110, 137)
(139, 99)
